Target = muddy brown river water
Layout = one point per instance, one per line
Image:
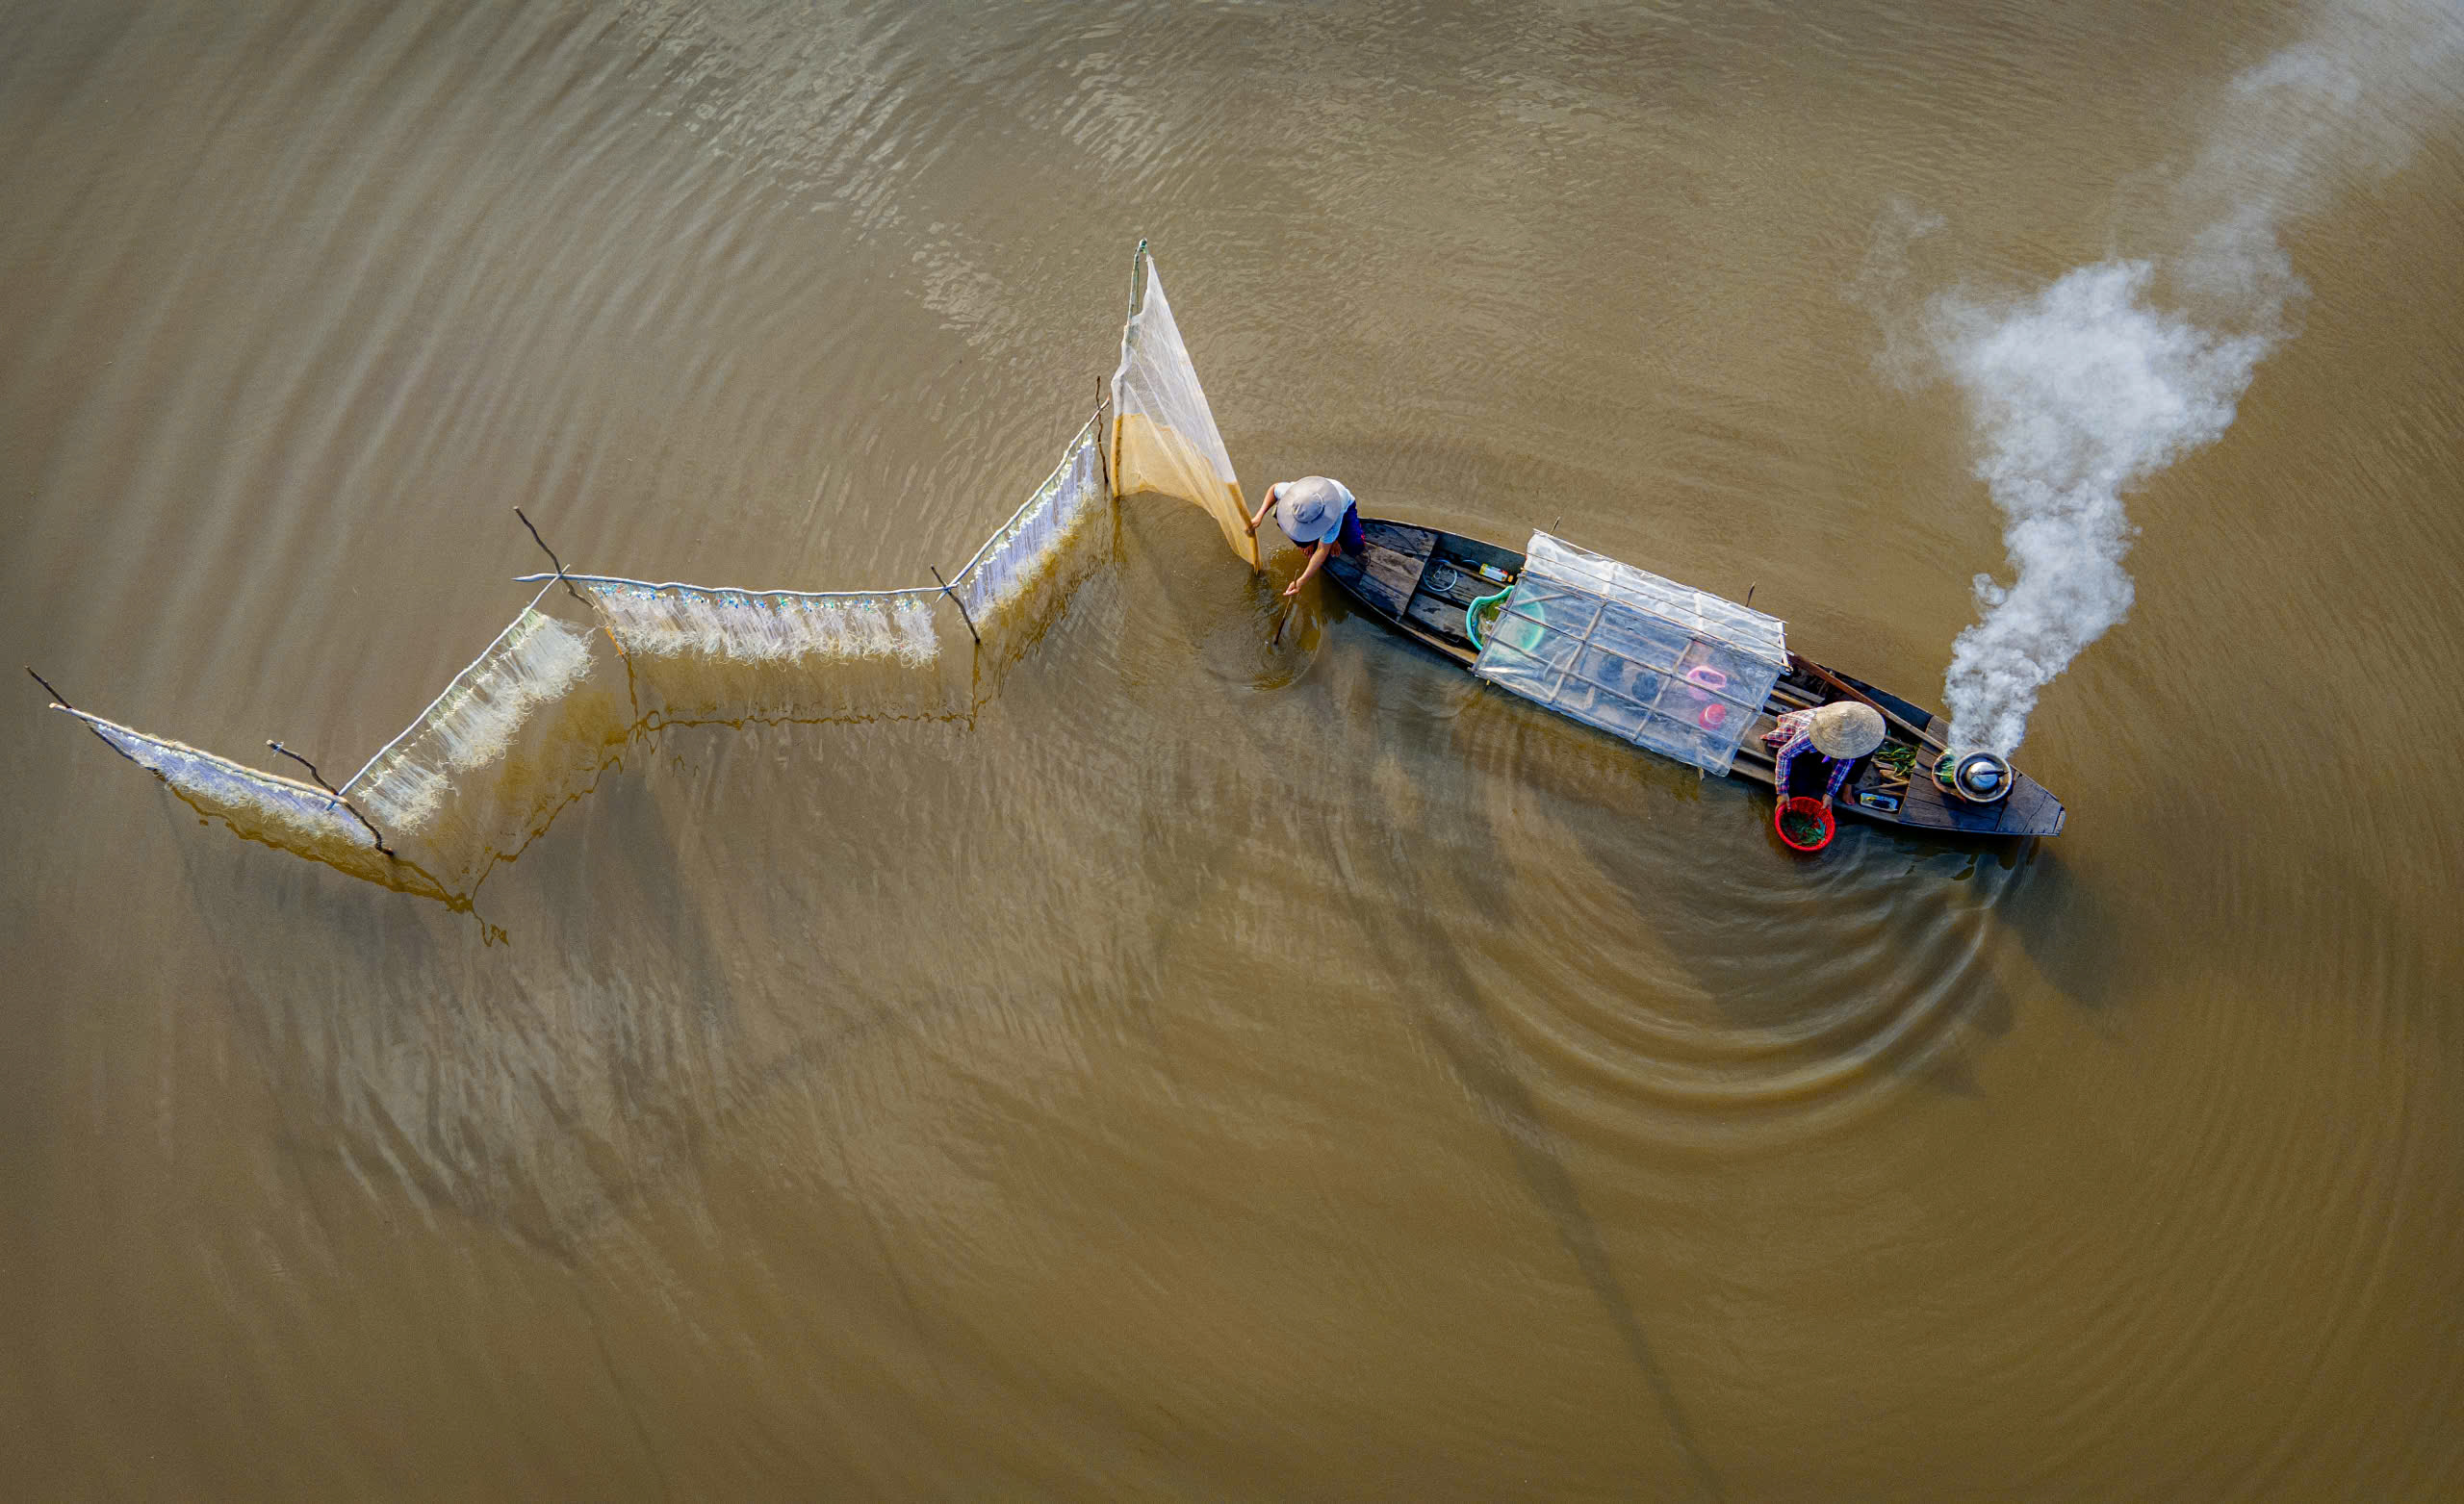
(1216, 1067)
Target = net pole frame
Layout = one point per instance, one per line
(1128, 328)
(1103, 450)
(558, 563)
(60, 702)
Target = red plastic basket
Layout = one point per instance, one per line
(1811, 808)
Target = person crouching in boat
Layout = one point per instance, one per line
(1837, 733)
(1317, 513)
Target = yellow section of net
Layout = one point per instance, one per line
(1149, 457)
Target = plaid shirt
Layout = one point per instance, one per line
(1797, 726)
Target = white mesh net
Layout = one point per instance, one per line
(705, 654)
(535, 661)
(777, 627)
(512, 739)
(1165, 439)
(530, 725)
(716, 654)
(277, 812)
(1032, 548)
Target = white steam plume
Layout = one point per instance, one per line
(2089, 385)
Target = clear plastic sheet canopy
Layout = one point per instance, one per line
(1665, 666)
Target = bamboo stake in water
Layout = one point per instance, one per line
(961, 604)
(61, 701)
(552, 556)
(373, 834)
(56, 696)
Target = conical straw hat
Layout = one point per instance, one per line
(1846, 730)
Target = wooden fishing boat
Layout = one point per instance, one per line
(1421, 581)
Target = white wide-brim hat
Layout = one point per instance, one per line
(1846, 730)
(1310, 509)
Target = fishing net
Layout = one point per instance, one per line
(471, 724)
(1663, 665)
(529, 725)
(705, 654)
(1027, 569)
(1164, 435)
(259, 807)
(700, 654)
(515, 737)
(657, 622)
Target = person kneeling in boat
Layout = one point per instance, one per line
(1839, 733)
(1317, 513)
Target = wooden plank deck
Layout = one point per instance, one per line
(1436, 613)
(1387, 573)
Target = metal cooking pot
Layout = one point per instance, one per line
(1977, 778)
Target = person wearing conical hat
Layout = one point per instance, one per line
(1317, 513)
(1839, 733)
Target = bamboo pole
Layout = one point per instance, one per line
(61, 701)
(373, 834)
(551, 557)
(961, 604)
